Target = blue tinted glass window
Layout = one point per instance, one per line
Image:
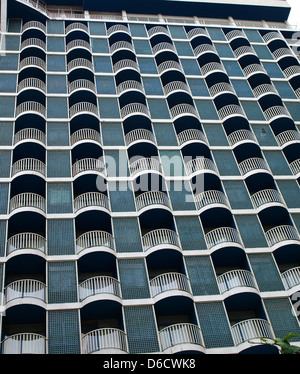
(56, 84)
(233, 69)
(273, 70)
(198, 87)
(158, 108)
(242, 88)
(147, 65)
(102, 64)
(216, 33)
(224, 50)
(9, 62)
(138, 30)
(184, 49)
(99, 45)
(97, 28)
(285, 90)
(253, 111)
(177, 32)
(56, 63)
(142, 47)
(152, 86)
(55, 27)
(206, 109)
(57, 107)
(105, 85)
(55, 44)
(190, 67)
(109, 108)
(8, 82)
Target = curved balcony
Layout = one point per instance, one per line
(275, 112)
(292, 71)
(231, 110)
(34, 25)
(85, 134)
(183, 109)
(251, 329)
(32, 83)
(169, 65)
(241, 136)
(99, 285)
(200, 165)
(253, 165)
(176, 86)
(133, 109)
(78, 43)
(253, 69)
(25, 342)
(29, 164)
(204, 48)
(181, 334)
(268, 196)
(139, 134)
(145, 164)
(117, 46)
(25, 288)
(162, 47)
(125, 64)
(158, 30)
(223, 236)
(88, 164)
(264, 89)
(198, 31)
(27, 200)
(236, 278)
(272, 35)
(130, 85)
(282, 52)
(169, 282)
(33, 42)
(104, 339)
(291, 278)
(233, 34)
(297, 92)
(295, 166)
(80, 63)
(75, 26)
(191, 135)
(160, 238)
(117, 28)
(81, 84)
(281, 235)
(31, 106)
(152, 198)
(209, 198)
(30, 133)
(288, 136)
(244, 50)
(221, 88)
(83, 107)
(32, 61)
(95, 239)
(212, 67)
(26, 241)
(91, 199)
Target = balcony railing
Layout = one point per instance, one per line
(251, 164)
(183, 109)
(164, 46)
(204, 48)
(29, 164)
(197, 32)
(94, 199)
(31, 106)
(26, 241)
(85, 134)
(125, 64)
(244, 50)
(145, 164)
(30, 133)
(222, 87)
(92, 239)
(32, 83)
(200, 164)
(130, 85)
(181, 333)
(169, 65)
(267, 196)
(134, 108)
(99, 285)
(33, 42)
(150, 198)
(78, 43)
(292, 71)
(176, 86)
(210, 197)
(282, 52)
(160, 237)
(76, 26)
(32, 61)
(25, 288)
(253, 69)
(191, 134)
(79, 63)
(276, 111)
(291, 278)
(82, 84)
(236, 278)
(157, 30)
(230, 110)
(88, 164)
(222, 235)
(35, 25)
(272, 35)
(251, 329)
(295, 166)
(81, 107)
(117, 28)
(241, 136)
(282, 233)
(264, 89)
(139, 134)
(121, 45)
(297, 92)
(287, 137)
(169, 282)
(106, 338)
(26, 200)
(212, 67)
(24, 343)
(235, 34)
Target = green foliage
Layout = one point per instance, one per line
(283, 344)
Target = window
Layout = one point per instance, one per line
(253, 36)
(216, 33)
(215, 134)
(59, 197)
(102, 64)
(198, 87)
(55, 27)
(242, 88)
(177, 32)
(56, 63)
(57, 107)
(206, 109)
(7, 106)
(263, 52)
(58, 164)
(165, 134)
(253, 111)
(294, 109)
(57, 133)
(277, 162)
(97, 28)
(8, 82)
(109, 108)
(237, 194)
(233, 69)
(290, 192)
(226, 163)
(224, 50)
(56, 84)
(147, 65)
(138, 30)
(6, 132)
(142, 47)
(158, 108)
(55, 44)
(9, 62)
(99, 45)
(11, 42)
(112, 133)
(152, 86)
(273, 70)
(285, 90)
(190, 67)
(264, 135)
(105, 85)
(251, 231)
(184, 49)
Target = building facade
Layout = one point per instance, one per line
(149, 177)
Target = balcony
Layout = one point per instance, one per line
(76, 26)
(286, 137)
(191, 135)
(253, 69)
(254, 164)
(266, 197)
(91, 199)
(80, 63)
(78, 43)
(264, 89)
(81, 84)
(209, 198)
(231, 110)
(26, 241)
(29, 165)
(104, 339)
(160, 238)
(212, 67)
(88, 164)
(272, 35)
(176, 86)
(83, 107)
(291, 278)
(233, 34)
(125, 64)
(241, 136)
(200, 165)
(117, 28)
(251, 329)
(133, 109)
(295, 166)
(99, 285)
(197, 32)
(158, 30)
(282, 235)
(32, 61)
(121, 45)
(223, 236)
(276, 112)
(282, 52)
(27, 200)
(130, 85)
(30, 133)
(221, 88)
(204, 48)
(169, 282)
(152, 198)
(145, 164)
(34, 25)
(25, 288)
(31, 106)
(95, 239)
(292, 71)
(181, 334)
(139, 135)
(85, 134)
(26, 343)
(244, 50)
(236, 278)
(169, 65)
(33, 42)
(32, 83)
(162, 47)
(183, 109)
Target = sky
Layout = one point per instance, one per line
(294, 18)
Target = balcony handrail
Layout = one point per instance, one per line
(204, 48)
(281, 233)
(197, 31)
(169, 282)
(81, 84)
(254, 163)
(123, 64)
(105, 338)
(176, 86)
(116, 28)
(122, 44)
(276, 111)
(145, 164)
(253, 68)
(200, 164)
(251, 329)
(271, 36)
(222, 87)
(30, 133)
(157, 30)
(139, 134)
(34, 24)
(29, 164)
(170, 64)
(24, 288)
(265, 197)
(162, 47)
(209, 197)
(180, 333)
(76, 26)
(31, 106)
(236, 278)
(212, 67)
(292, 70)
(88, 199)
(99, 285)
(295, 166)
(88, 164)
(245, 49)
(27, 199)
(85, 134)
(264, 89)
(34, 61)
(235, 34)
(222, 235)
(24, 342)
(96, 238)
(160, 237)
(241, 135)
(152, 198)
(191, 134)
(230, 110)
(134, 108)
(78, 43)
(83, 106)
(281, 52)
(287, 136)
(130, 85)
(291, 277)
(80, 62)
(179, 109)
(32, 83)
(26, 240)
(36, 42)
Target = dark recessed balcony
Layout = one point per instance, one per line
(223, 236)
(236, 279)
(95, 240)
(251, 329)
(99, 286)
(26, 242)
(76, 26)
(24, 343)
(34, 25)
(102, 340)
